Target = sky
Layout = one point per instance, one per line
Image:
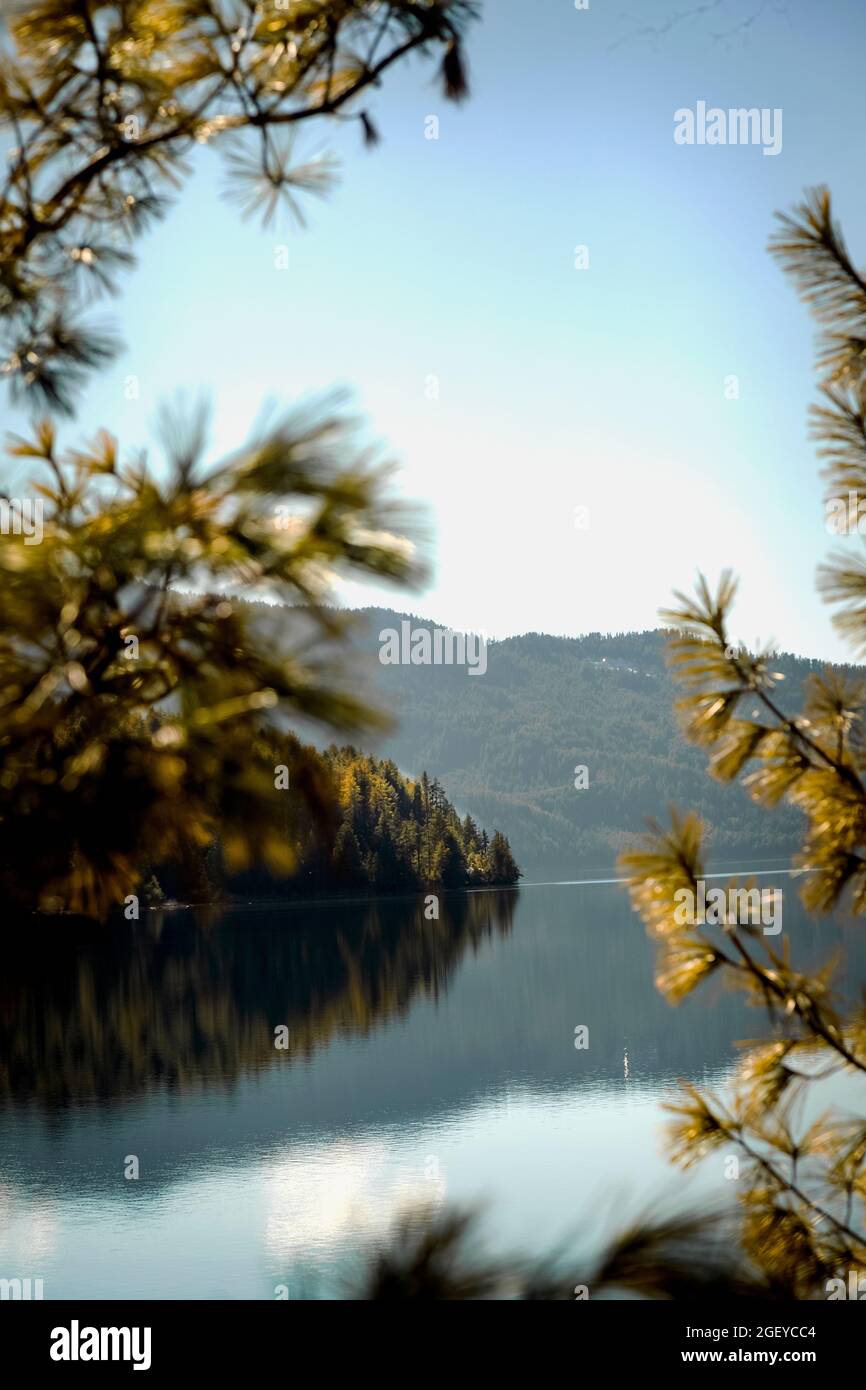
(556, 387)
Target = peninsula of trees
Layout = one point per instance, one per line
(378, 831)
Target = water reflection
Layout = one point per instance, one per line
(428, 1061)
(185, 999)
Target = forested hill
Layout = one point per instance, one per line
(505, 744)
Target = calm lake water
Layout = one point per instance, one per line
(427, 1062)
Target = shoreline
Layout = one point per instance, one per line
(331, 899)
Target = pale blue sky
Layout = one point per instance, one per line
(559, 388)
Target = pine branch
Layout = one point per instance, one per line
(812, 250)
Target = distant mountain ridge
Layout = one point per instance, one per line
(505, 744)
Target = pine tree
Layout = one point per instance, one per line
(449, 863)
(418, 819)
(104, 101)
(132, 693)
(802, 1187)
(346, 858)
(502, 868)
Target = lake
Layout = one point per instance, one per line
(428, 1062)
